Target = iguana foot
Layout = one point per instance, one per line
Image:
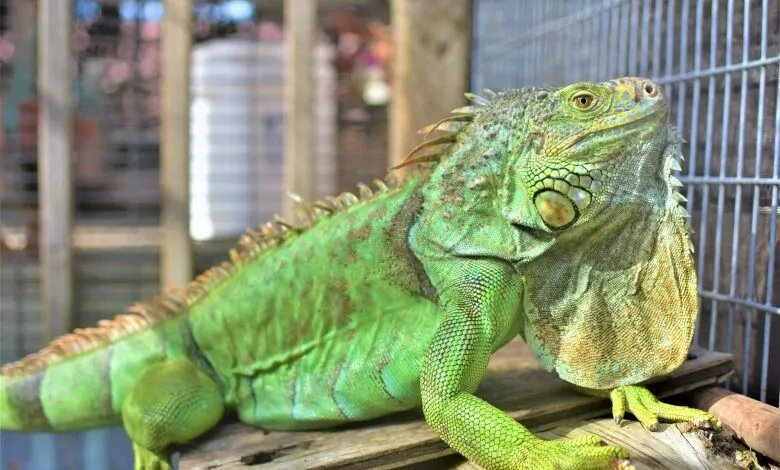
(577, 453)
(173, 402)
(640, 402)
(148, 460)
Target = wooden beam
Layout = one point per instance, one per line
(176, 251)
(431, 68)
(299, 101)
(756, 423)
(55, 164)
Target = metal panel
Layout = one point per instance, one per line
(718, 63)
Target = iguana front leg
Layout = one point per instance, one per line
(479, 308)
(172, 403)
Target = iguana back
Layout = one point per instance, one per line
(290, 329)
(329, 327)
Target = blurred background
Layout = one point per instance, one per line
(245, 99)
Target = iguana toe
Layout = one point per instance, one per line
(647, 409)
(579, 453)
(148, 460)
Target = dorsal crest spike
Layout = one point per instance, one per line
(349, 199)
(477, 100)
(334, 202)
(302, 210)
(439, 125)
(465, 110)
(421, 158)
(324, 206)
(490, 94)
(452, 125)
(284, 224)
(364, 192)
(410, 157)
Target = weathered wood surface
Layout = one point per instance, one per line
(515, 382)
(756, 423)
(674, 447)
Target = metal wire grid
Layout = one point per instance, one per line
(718, 63)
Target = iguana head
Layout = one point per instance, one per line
(573, 186)
(589, 144)
(612, 299)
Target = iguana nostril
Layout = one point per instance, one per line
(650, 89)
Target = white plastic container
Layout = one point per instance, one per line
(237, 134)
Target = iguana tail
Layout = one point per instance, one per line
(67, 396)
(81, 380)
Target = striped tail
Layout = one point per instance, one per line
(67, 396)
(80, 380)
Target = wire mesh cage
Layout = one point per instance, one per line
(718, 62)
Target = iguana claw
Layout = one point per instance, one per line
(640, 402)
(624, 464)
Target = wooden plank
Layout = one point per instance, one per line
(15, 239)
(756, 423)
(55, 173)
(675, 447)
(515, 383)
(176, 251)
(430, 66)
(299, 101)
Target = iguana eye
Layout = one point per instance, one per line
(584, 101)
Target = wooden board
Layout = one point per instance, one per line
(515, 383)
(674, 447)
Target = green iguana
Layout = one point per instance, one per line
(549, 213)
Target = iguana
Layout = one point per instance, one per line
(549, 213)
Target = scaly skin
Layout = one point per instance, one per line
(548, 213)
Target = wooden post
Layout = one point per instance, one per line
(299, 101)
(176, 250)
(55, 164)
(431, 68)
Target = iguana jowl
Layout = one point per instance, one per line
(547, 212)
